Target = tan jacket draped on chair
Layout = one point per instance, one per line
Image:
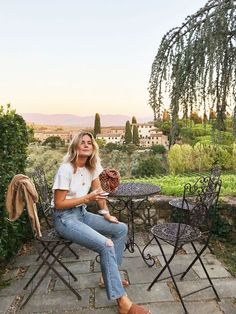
(22, 194)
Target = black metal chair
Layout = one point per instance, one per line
(204, 185)
(45, 207)
(179, 233)
(46, 248)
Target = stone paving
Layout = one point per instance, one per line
(54, 297)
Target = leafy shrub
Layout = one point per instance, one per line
(13, 142)
(151, 166)
(53, 142)
(158, 149)
(201, 157)
(180, 158)
(45, 157)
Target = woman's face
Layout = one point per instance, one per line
(85, 149)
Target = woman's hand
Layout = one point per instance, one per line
(96, 195)
(110, 218)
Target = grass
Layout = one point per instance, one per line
(226, 253)
(173, 184)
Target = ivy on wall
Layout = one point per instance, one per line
(13, 144)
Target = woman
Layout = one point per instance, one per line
(74, 179)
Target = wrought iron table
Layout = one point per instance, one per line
(133, 198)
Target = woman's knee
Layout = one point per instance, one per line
(123, 228)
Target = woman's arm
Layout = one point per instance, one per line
(61, 202)
(96, 185)
(102, 201)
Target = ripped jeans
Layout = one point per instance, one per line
(89, 230)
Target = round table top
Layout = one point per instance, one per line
(135, 190)
(178, 203)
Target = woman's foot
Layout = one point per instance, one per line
(127, 307)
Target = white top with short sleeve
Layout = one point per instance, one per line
(77, 184)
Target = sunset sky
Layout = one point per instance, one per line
(81, 57)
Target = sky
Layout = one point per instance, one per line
(82, 57)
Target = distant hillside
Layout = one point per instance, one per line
(74, 120)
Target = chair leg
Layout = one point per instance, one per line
(164, 267)
(42, 277)
(50, 267)
(40, 266)
(61, 277)
(203, 266)
(69, 248)
(167, 265)
(56, 257)
(72, 251)
(198, 254)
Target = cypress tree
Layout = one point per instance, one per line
(134, 121)
(135, 135)
(97, 125)
(128, 133)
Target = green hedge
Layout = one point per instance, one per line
(13, 144)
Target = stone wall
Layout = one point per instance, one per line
(160, 211)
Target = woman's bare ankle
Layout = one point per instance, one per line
(124, 304)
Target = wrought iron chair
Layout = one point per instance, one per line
(46, 248)
(45, 207)
(203, 184)
(178, 234)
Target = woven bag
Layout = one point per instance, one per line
(110, 179)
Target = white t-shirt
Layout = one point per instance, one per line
(77, 184)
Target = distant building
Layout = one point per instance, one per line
(155, 139)
(113, 130)
(115, 138)
(43, 135)
(144, 129)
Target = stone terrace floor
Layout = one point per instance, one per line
(53, 297)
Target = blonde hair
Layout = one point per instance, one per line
(72, 153)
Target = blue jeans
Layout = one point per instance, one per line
(89, 230)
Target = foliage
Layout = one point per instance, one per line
(129, 149)
(191, 134)
(45, 157)
(201, 157)
(195, 64)
(166, 116)
(195, 118)
(226, 252)
(14, 139)
(180, 158)
(97, 125)
(109, 147)
(101, 142)
(173, 184)
(128, 133)
(234, 157)
(31, 138)
(116, 159)
(158, 149)
(135, 135)
(53, 142)
(134, 121)
(150, 166)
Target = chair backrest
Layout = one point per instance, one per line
(199, 198)
(44, 193)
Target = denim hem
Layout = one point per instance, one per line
(119, 296)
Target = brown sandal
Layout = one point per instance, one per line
(125, 284)
(137, 309)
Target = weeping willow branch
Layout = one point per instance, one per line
(195, 66)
